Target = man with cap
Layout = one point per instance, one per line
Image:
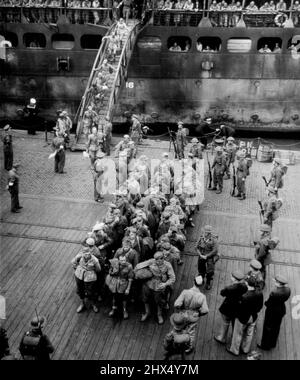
(219, 166)
(93, 145)
(30, 113)
(196, 148)
(135, 130)
(262, 247)
(164, 225)
(256, 274)
(244, 326)
(275, 311)
(86, 269)
(230, 149)
(13, 188)
(107, 131)
(192, 304)
(271, 206)
(207, 249)
(277, 173)
(124, 145)
(178, 340)
(34, 344)
(98, 171)
(7, 148)
(228, 309)
(180, 140)
(203, 129)
(241, 175)
(158, 286)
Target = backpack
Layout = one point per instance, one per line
(30, 346)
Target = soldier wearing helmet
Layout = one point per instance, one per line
(262, 247)
(277, 173)
(219, 166)
(207, 249)
(230, 149)
(180, 140)
(241, 173)
(196, 148)
(34, 344)
(271, 206)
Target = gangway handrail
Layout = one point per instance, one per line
(120, 69)
(97, 62)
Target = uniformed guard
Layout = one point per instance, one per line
(7, 148)
(230, 149)
(277, 173)
(219, 166)
(192, 304)
(180, 140)
(136, 130)
(34, 344)
(241, 174)
(196, 148)
(107, 134)
(228, 309)
(271, 206)
(13, 188)
(275, 311)
(178, 340)
(207, 249)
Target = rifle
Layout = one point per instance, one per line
(261, 211)
(265, 180)
(232, 193)
(209, 172)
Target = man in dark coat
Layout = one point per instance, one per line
(34, 344)
(275, 311)
(13, 188)
(245, 322)
(228, 309)
(225, 131)
(203, 129)
(7, 148)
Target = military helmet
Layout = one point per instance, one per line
(208, 229)
(38, 321)
(265, 228)
(218, 149)
(194, 141)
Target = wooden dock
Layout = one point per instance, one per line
(38, 244)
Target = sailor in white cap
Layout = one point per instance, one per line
(7, 148)
(192, 304)
(30, 113)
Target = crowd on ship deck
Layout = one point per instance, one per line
(50, 10)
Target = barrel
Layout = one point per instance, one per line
(265, 153)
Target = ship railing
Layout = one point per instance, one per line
(87, 97)
(122, 69)
(223, 18)
(96, 16)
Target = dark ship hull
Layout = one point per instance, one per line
(250, 89)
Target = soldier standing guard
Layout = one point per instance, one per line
(180, 140)
(242, 172)
(219, 166)
(7, 148)
(135, 130)
(207, 248)
(34, 344)
(196, 149)
(60, 156)
(271, 206)
(13, 188)
(275, 311)
(277, 173)
(230, 150)
(30, 113)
